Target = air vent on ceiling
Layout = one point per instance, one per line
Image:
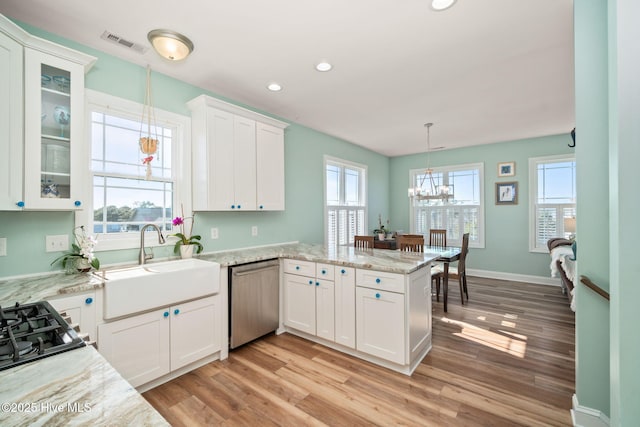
(114, 38)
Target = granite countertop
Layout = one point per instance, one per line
(43, 287)
(77, 387)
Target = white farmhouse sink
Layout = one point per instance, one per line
(145, 287)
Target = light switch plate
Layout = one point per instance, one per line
(214, 233)
(3, 246)
(254, 230)
(57, 243)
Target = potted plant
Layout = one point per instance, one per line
(186, 242)
(81, 257)
(380, 231)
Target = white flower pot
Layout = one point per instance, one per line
(381, 236)
(186, 251)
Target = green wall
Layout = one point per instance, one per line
(506, 227)
(592, 312)
(304, 159)
(624, 202)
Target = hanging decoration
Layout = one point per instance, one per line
(148, 141)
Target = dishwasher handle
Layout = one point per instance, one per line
(244, 269)
(253, 271)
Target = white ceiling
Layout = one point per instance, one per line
(483, 71)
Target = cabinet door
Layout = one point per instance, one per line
(221, 153)
(300, 303)
(138, 347)
(325, 311)
(345, 306)
(380, 324)
(81, 308)
(54, 126)
(11, 123)
(270, 167)
(244, 148)
(195, 331)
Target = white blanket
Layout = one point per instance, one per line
(564, 254)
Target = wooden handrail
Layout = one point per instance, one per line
(586, 281)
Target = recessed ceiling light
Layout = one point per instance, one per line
(274, 87)
(442, 4)
(324, 66)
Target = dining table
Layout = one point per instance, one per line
(446, 255)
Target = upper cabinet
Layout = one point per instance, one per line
(238, 158)
(44, 136)
(11, 120)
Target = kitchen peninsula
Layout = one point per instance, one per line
(378, 309)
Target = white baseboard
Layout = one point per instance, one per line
(527, 278)
(581, 416)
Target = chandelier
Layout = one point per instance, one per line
(427, 188)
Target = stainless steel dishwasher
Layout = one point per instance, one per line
(253, 301)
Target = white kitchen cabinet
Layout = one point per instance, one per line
(145, 347)
(380, 324)
(269, 167)
(194, 331)
(300, 303)
(11, 123)
(138, 347)
(345, 306)
(81, 309)
(325, 309)
(42, 142)
(238, 158)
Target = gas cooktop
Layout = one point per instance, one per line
(29, 332)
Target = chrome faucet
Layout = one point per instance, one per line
(143, 257)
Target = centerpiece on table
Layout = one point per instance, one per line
(381, 231)
(80, 259)
(186, 244)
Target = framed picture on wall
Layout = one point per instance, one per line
(507, 169)
(506, 193)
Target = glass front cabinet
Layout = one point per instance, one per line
(54, 142)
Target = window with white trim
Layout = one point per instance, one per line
(345, 201)
(552, 193)
(122, 198)
(462, 214)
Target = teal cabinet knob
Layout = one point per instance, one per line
(378, 296)
(239, 206)
(165, 314)
(343, 271)
(311, 282)
(324, 271)
(317, 283)
(176, 311)
(20, 204)
(89, 300)
(378, 280)
(77, 203)
(297, 267)
(261, 207)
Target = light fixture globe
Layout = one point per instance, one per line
(440, 5)
(171, 45)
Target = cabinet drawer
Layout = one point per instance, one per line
(325, 271)
(392, 282)
(302, 268)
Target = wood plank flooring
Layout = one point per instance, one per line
(506, 358)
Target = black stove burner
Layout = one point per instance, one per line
(32, 331)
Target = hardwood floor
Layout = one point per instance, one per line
(506, 358)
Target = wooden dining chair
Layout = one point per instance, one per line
(437, 237)
(455, 272)
(410, 243)
(363, 242)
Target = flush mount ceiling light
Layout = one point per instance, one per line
(169, 44)
(441, 4)
(274, 87)
(324, 66)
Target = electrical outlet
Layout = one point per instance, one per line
(57, 243)
(214, 233)
(3, 246)
(254, 230)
